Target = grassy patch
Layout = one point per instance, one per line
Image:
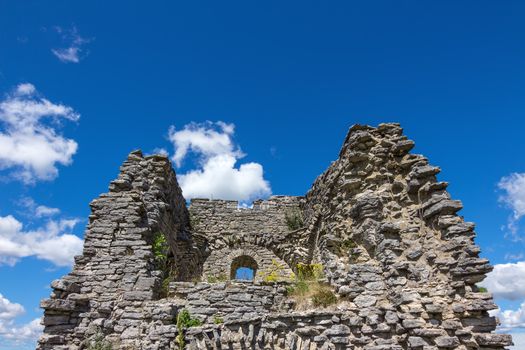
(308, 291)
(217, 278)
(324, 296)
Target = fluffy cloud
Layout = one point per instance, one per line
(506, 281)
(9, 332)
(217, 176)
(511, 318)
(9, 310)
(207, 139)
(74, 50)
(513, 197)
(37, 210)
(50, 242)
(30, 144)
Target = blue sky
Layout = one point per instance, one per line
(290, 77)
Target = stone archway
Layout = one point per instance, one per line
(241, 261)
(222, 263)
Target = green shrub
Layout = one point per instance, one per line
(294, 219)
(482, 290)
(218, 320)
(309, 272)
(184, 320)
(160, 248)
(324, 297)
(274, 273)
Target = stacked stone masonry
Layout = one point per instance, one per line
(403, 264)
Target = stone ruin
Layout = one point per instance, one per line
(403, 265)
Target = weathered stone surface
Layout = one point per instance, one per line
(403, 264)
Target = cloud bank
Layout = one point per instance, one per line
(51, 242)
(507, 281)
(30, 144)
(510, 319)
(9, 332)
(217, 175)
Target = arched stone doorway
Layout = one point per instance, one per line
(223, 263)
(248, 267)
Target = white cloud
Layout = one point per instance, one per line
(72, 53)
(206, 139)
(30, 144)
(511, 318)
(42, 210)
(25, 89)
(11, 333)
(68, 54)
(507, 281)
(39, 211)
(9, 310)
(220, 179)
(217, 176)
(50, 242)
(514, 198)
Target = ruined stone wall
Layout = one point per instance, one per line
(226, 227)
(117, 274)
(229, 301)
(402, 262)
(391, 242)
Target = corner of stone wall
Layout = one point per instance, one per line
(117, 273)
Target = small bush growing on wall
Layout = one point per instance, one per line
(309, 272)
(324, 297)
(307, 289)
(218, 320)
(294, 219)
(184, 320)
(160, 248)
(273, 274)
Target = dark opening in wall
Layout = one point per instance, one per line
(243, 267)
